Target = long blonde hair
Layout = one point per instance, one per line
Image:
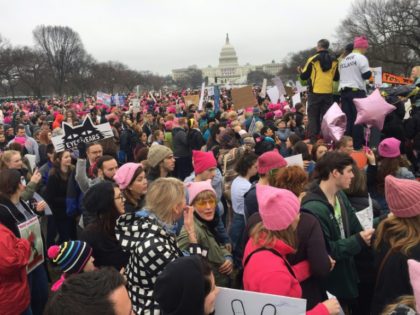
(7, 157)
(402, 234)
(266, 238)
(163, 195)
(407, 300)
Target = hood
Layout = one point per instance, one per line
(175, 130)
(315, 193)
(325, 60)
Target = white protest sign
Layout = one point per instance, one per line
(87, 132)
(377, 76)
(279, 83)
(210, 90)
(230, 301)
(200, 102)
(136, 105)
(296, 99)
(264, 89)
(295, 160)
(273, 94)
(282, 98)
(365, 216)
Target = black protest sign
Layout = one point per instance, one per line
(87, 132)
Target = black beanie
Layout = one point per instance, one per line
(99, 198)
(179, 289)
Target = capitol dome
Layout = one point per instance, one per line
(228, 56)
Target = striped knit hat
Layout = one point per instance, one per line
(71, 256)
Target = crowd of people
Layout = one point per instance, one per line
(185, 199)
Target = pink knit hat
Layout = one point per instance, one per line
(278, 207)
(269, 161)
(20, 140)
(402, 196)
(203, 161)
(194, 188)
(125, 174)
(169, 125)
(389, 148)
(360, 42)
(414, 271)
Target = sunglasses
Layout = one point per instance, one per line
(202, 204)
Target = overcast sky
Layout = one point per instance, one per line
(161, 35)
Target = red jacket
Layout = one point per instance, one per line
(267, 273)
(14, 257)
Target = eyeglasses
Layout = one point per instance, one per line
(120, 197)
(201, 204)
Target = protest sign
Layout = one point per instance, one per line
(330, 296)
(31, 231)
(300, 88)
(289, 91)
(191, 100)
(365, 216)
(243, 97)
(296, 99)
(136, 105)
(295, 160)
(273, 94)
(263, 92)
(87, 132)
(279, 83)
(377, 76)
(231, 302)
(210, 90)
(200, 102)
(103, 98)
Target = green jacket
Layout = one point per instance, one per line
(217, 254)
(342, 280)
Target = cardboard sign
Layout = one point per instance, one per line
(377, 76)
(243, 97)
(232, 302)
(191, 100)
(87, 132)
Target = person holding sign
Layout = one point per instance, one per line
(266, 269)
(343, 232)
(18, 217)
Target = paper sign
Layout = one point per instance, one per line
(273, 94)
(263, 92)
(295, 160)
(365, 216)
(210, 90)
(136, 105)
(191, 100)
(279, 83)
(200, 102)
(243, 97)
(296, 99)
(377, 76)
(87, 132)
(31, 231)
(233, 302)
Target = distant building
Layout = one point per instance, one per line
(178, 74)
(229, 70)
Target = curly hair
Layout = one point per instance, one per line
(292, 178)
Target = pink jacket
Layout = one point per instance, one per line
(267, 273)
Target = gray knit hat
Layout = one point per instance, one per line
(157, 153)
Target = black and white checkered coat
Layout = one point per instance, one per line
(151, 248)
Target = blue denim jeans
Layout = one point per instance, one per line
(236, 232)
(38, 285)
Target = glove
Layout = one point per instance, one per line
(82, 150)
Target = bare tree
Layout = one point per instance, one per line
(393, 30)
(61, 47)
